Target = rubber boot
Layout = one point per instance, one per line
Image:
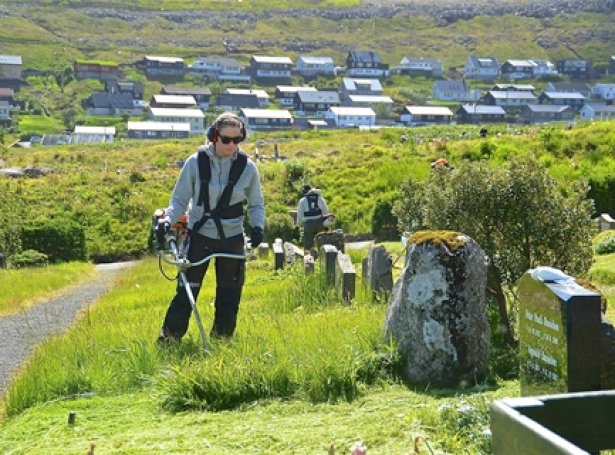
(227, 306)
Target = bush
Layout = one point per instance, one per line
(607, 246)
(384, 223)
(280, 225)
(29, 258)
(61, 240)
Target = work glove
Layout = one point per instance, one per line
(256, 237)
(162, 229)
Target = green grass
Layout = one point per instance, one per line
(386, 419)
(39, 124)
(20, 289)
(299, 360)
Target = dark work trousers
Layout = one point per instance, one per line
(310, 229)
(230, 276)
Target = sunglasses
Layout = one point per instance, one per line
(228, 140)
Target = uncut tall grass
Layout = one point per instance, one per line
(293, 339)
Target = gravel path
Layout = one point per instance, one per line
(21, 332)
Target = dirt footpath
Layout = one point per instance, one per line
(20, 333)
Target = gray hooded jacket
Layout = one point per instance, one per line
(188, 186)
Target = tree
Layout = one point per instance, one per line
(11, 207)
(519, 215)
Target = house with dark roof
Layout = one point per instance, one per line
(310, 66)
(162, 67)
(107, 71)
(117, 104)
(574, 100)
(419, 66)
(545, 113)
(517, 69)
(266, 119)
(365, 64)
(261, 95)
(202, 95)
(268, 70)
(234, 103)
(315, 104)
(480, 113)
(134, 88)
(454, 91)
(482, 68)
(575, 69)
(514, 87)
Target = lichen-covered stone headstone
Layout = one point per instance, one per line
(437, 313)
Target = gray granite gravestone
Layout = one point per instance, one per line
(559, 334)
(328, 253)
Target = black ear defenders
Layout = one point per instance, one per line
(213, 132)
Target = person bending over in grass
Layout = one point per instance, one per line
(219, 178)
(312, 215)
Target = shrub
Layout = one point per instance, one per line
(280, 225)
(606, 246)
(60, 239)
(384, 223)
(29, 258)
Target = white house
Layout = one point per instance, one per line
(352, 116)
(261, 95)
(483, 68)
(510, 98)
(263, 119)
(604, 91)
(158, 130)
(311, 66)
(419, 66)
(353, 86)
(285, 94)
(221, 68)
(194, 117)
(543, 68)
(454, 91)
(595, 111)
(89, 134)
(173, 101)
(426, 115)
(371, 101)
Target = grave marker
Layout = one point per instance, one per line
(559, 334)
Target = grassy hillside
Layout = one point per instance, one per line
(54, 36)
(113, 189)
